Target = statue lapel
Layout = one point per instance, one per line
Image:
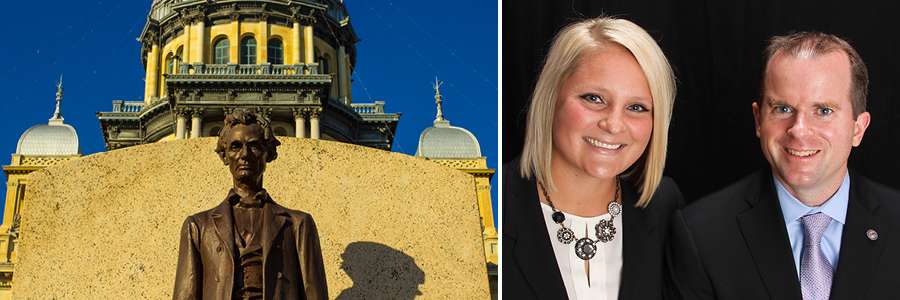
(224, 222)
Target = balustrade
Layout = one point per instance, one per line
(369, 108)
(127, 106)
(236, 69)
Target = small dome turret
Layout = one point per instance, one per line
(445, 141)
(52, 139)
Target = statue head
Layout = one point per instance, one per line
(246, 144)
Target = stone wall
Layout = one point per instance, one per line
(391, 226)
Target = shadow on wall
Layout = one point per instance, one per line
(380, 272)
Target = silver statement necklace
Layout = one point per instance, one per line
(586, 248)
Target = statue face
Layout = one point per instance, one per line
(245, 152)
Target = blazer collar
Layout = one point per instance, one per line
(532, 250)
(859, 254)
(639, 243)
(763, 229)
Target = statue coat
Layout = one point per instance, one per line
(292, 257)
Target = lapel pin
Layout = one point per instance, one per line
(872, 234)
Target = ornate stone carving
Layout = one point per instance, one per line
(314, 112)
(232, 13)
(297, 16)
(230, 95)
(265, 112)
(184, 18)
(197, 112)
(182, 112)
(196, 94)
(299, 113)
(152, 37)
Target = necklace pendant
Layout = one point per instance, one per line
(558, 217)
(615, 209)
(585, 248)
(565, 235)
(606, 231)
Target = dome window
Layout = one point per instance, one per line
(276, 52)
(222, 52)
(248, 51)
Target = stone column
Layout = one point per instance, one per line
(295, 53)
(342, 75)
(180, 123)
(151, 85)
(186, 21)
(196, 117)
(308, 43)
(262, 42)
(235, 37)
(299, 123)
(314, 115)
(201, 41)
(12, 201)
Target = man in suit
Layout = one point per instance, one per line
(248, 247)
(806, 227)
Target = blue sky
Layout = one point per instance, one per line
(405, 45)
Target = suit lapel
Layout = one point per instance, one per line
(274, 218)
(224, 221)
(533, 251)
(766, 236)
(859, 255)
(637, 245)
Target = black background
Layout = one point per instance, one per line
(715, 48)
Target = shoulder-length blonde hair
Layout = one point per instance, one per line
(570, 47)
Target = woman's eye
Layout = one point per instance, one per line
(592, 98)
(637, 107)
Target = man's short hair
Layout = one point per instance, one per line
(811, 44)
(242, 116)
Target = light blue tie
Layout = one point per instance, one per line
(815, 269)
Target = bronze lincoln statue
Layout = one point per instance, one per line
(248, 247)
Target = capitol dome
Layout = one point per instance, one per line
(52, 139)
(445, 141)
(49, 140)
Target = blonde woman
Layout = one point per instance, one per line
(586, 208)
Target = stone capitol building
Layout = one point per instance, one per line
(289, 61)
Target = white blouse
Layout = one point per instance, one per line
(605, 266)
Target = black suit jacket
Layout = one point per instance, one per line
(529, 266)
(733, 244)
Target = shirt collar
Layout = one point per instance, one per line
(835, 207)
(257, 200)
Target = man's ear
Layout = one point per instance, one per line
(222, 157)
(859, 127)
(756, 116)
